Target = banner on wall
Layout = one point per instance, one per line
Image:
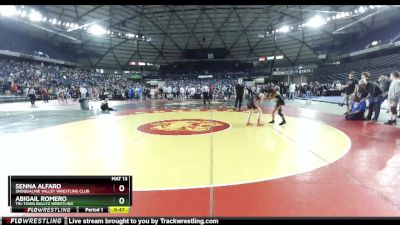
(259, 80)
(249, 83)
(161, 84)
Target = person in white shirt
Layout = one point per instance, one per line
(175, 92)
(182, 93)
(206, 94)
(292, 90)
(32, 96)
(169, 92)
(60, 94)
(192, 92)
(165, 91)
(394, 97)
(83, 91)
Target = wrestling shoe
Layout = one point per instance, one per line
(391, 122)
(272, 121)
(283, 122)
(249, 124)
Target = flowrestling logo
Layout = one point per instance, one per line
(183, 127)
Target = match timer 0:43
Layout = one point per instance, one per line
(70, 194)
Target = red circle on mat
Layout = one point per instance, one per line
(183, 127)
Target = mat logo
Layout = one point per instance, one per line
(183, 127)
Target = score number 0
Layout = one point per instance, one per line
(121, 200)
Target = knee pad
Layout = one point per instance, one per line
(280, 112)
(393, 109)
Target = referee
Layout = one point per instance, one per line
(239, 89)
(206, 94)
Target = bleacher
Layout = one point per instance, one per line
(376, 66)
(383, 35)
(17, 41)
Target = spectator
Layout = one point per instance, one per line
(394, 97)
(32, 95)
(357, 109)
(292, 89)
(384, 82)
(349, 89)
(83, 92)
(104, 106)
(374, 97)
(45, 95)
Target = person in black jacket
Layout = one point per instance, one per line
(374, 97)
(239, 95)
(104, 106)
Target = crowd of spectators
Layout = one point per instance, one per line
(32, 78)
(18, 77)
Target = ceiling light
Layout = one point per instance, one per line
(35, 16)
(8, 10)
(284, 29)
(356, 11)
(59, 22)
(44, 19)
(361, 9)
(316, 21)
(371, 6)
(97, 30)
(328, 19)
(54, 21)
(23, 13)
(67, 25)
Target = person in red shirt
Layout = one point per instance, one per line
(45, 95)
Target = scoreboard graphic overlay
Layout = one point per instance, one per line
(70, 194)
